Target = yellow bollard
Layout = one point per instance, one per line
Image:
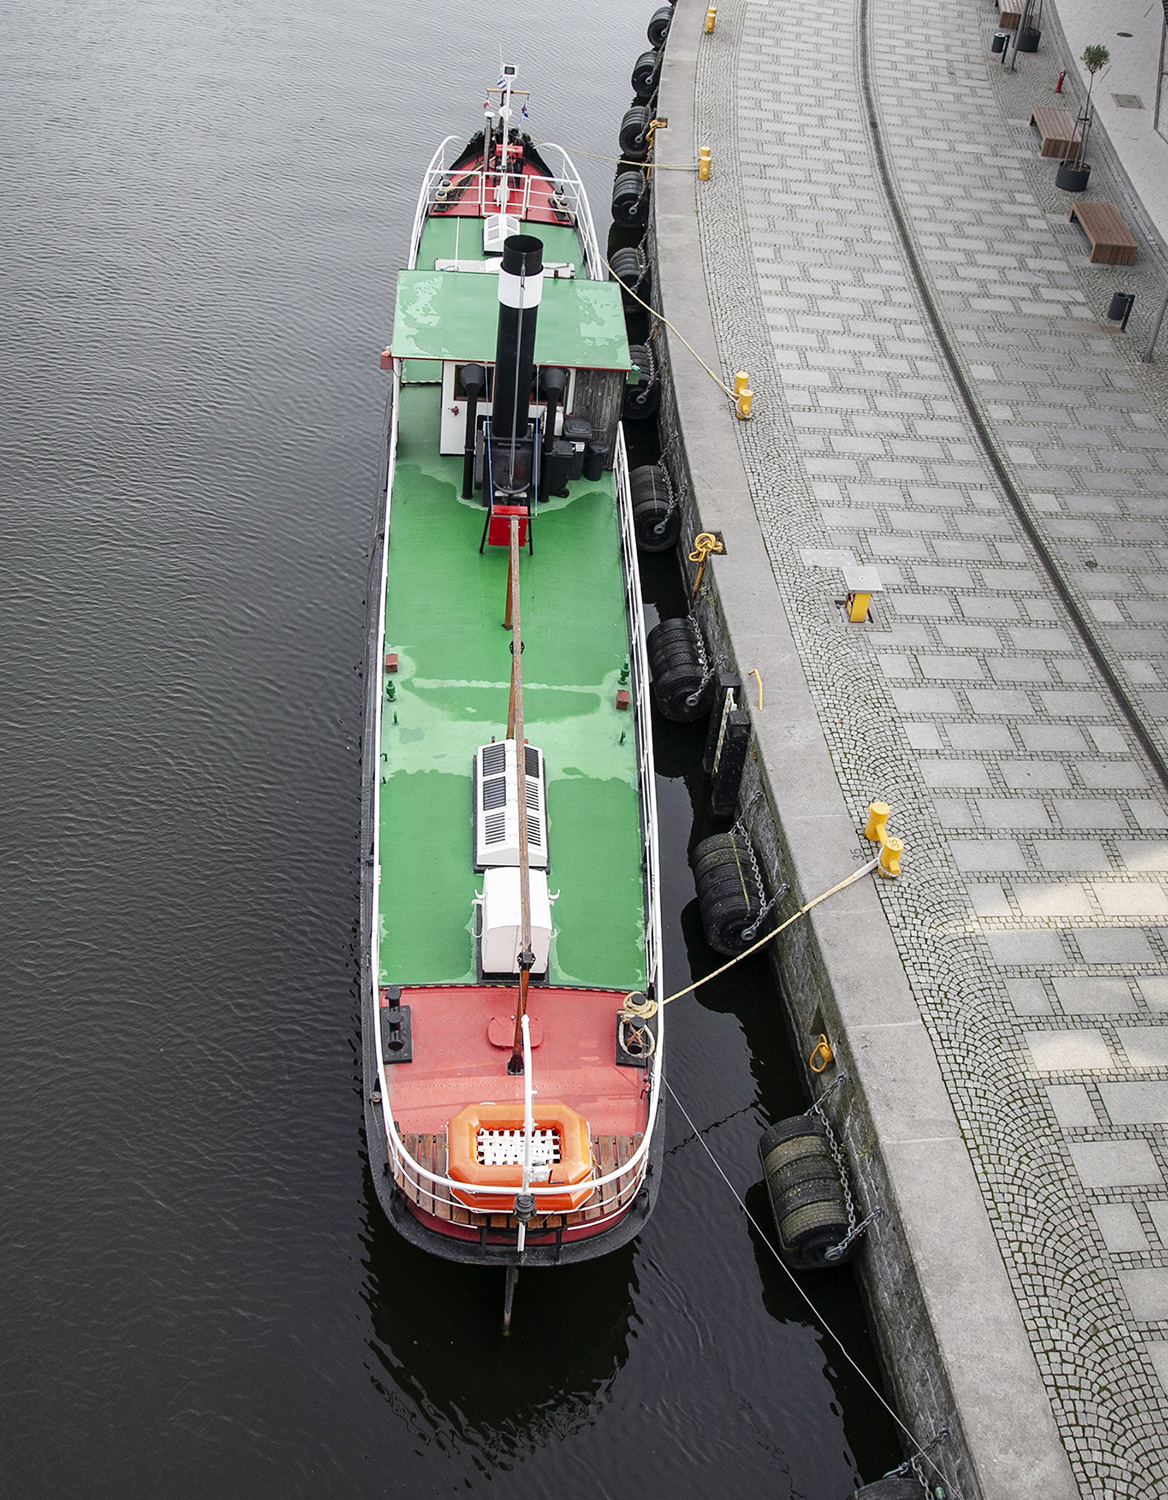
(890, 852)
(741, 381)
(742, 404)
(711, 17)
(858, 608)
(704, 164)
(877, 822)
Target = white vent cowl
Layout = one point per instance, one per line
(497, 807)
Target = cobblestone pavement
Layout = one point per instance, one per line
(1032, 917)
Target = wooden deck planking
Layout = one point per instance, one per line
(610, 1152)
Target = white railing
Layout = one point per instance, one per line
(639, 685)
(482, 189)
(410, 1174)
(379, 668)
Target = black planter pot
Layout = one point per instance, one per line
(1072, 179)
(1028, 41)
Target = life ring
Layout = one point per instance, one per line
(574, 1165)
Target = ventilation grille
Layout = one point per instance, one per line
(497, 806)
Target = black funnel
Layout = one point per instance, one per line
(520, 289)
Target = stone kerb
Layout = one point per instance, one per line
(947, 1322)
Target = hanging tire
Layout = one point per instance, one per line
(656, 521)
(631, 273)
(641, 400)
(630, 200)
(644, 77)
(720, 851)
(806, 1235)
(806, 1194)
(892, 1487)
(729, 896)
(659, 26)
(633, 139)
(677, 672)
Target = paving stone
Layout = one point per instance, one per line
(1072, 1105)
(1077, 854)
(988, 900)
(1131, 898)
(1144, 1046)
(1154, 989)
(1136, 1103)
(1028, 997)
(1114, 1164)
(1034, 773)
(1068, 1051)
(1146, 1291)
(1158, 1210)
(1025, 947)
(1119, 945)
(1013, 812)
(1094, 996)
(1142, 854)
(1089, 812)
(1157, 1351)
(987, 854)
(1120, 1226)
(1061, 900)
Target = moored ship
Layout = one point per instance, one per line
(513, 1047)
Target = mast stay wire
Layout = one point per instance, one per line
(921, 1449)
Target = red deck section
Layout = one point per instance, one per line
(455, 1064)
(529, 197)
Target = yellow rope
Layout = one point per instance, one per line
(640, 1010)
(623, 160)
(660, 316)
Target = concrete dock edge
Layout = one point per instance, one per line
(952, 1340)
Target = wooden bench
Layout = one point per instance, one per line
(1009, 14)
(1056, 130)
(1111, 240)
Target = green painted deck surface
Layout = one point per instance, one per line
(444, 616)
(461, 238)
(455, 315)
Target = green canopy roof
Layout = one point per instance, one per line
(455, 315)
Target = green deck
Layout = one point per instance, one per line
(444, 615)
(455, 315)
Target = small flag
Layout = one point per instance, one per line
(501, 83)
(523, 113)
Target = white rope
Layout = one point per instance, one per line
(820, 1319)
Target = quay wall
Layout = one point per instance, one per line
(953, 1345)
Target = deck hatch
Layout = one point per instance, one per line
(497, 806)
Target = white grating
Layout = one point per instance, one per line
(504, 1148)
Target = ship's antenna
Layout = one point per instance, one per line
(515, 732)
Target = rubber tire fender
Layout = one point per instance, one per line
(658, 28)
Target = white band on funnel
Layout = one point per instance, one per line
(520, 291)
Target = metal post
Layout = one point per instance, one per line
(1147, 356)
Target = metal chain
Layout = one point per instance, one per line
(780, 890)
(855, 1227)
(708, 670)
(914, 1465)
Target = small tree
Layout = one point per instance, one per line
(1093, 58)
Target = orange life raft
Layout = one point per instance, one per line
(574, 1166)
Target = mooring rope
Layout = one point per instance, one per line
(660, 316)
(921, 1449)
(642, 1009)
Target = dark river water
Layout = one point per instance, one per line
(202, 203)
